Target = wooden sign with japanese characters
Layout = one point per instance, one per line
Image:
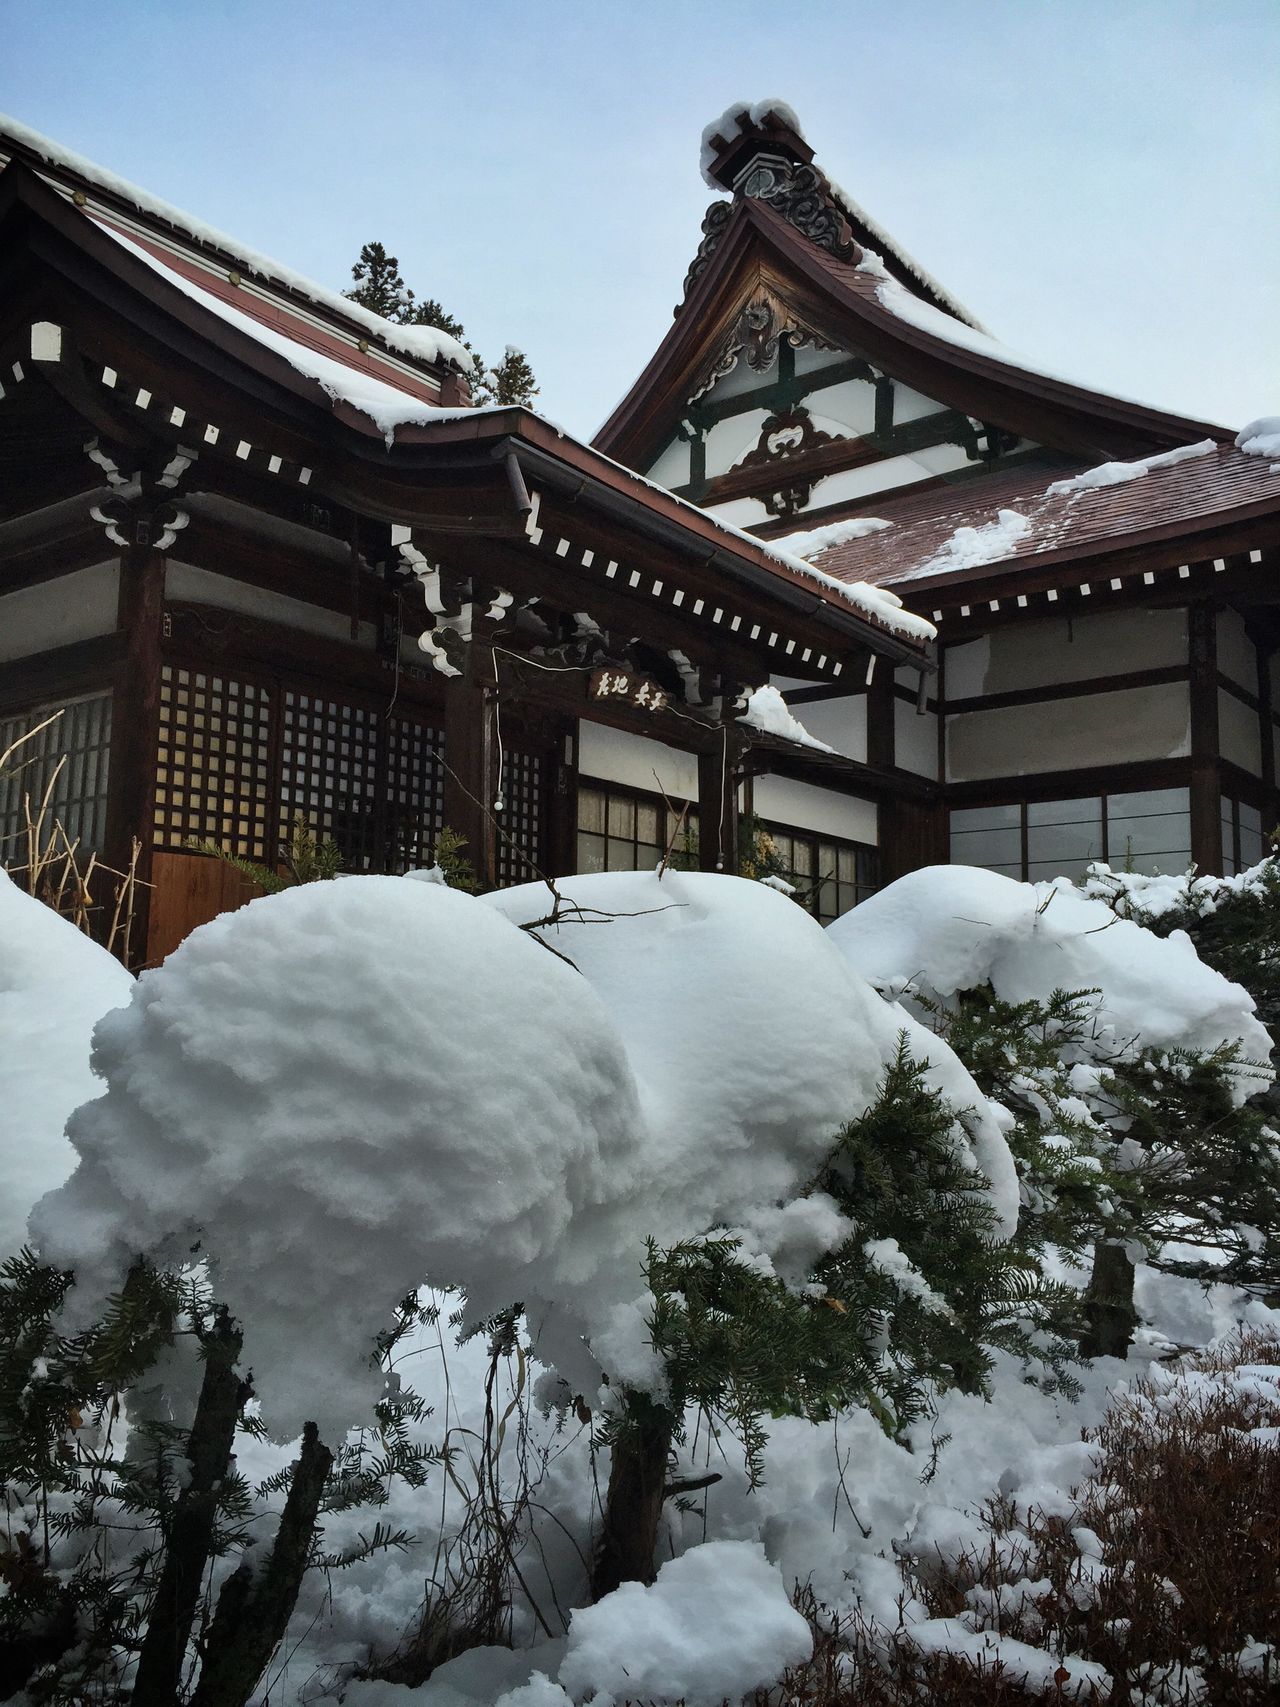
(622, 686)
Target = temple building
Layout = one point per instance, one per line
(839, 570)
(1099, 572)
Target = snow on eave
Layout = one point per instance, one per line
(423, 343)
(769, 712)
(876, 605)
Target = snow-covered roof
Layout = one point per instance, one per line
(381, 395)
(422, 343)
(1024, 513)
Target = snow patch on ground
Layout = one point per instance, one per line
(55, 984)
(716, 1622)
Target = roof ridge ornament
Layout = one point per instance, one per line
(799, 192)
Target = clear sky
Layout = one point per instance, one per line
(1099, 180)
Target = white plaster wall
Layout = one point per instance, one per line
(742, 377)
(1067, 734)
(73, 607)
(614, 755)
(730, 440)
(1239, 737)
(911, 405)
(812, 360)
(915, 737)
(781, 800)
(672, 467)
(1078, 649)
(204, 587)
(893, 471)
(1236, 656)
(740, 512)
(852, 403)
(841, 723)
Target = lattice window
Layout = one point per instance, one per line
(81, 738)
(213, 763)
(414, 793)
(520, 833)
(328, 773)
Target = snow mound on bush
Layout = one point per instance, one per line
(55, 984)
(751, 1040)
(950, 928)
(341, 1091)
(716, 1623)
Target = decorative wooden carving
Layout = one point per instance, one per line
(804, 198)
(789, 433)
(764, 324)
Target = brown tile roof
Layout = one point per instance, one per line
(1174, 502)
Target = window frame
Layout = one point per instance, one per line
(1022, 804)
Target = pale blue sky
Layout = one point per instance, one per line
(1097, 179)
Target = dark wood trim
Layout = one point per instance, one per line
(135, 725)
(1068, 690)
(1227, 685)
(1266, 732)
(64, 672)
(881, 733)
(1206, 775)
(1054, 785)
(718, 805)
(470, 775)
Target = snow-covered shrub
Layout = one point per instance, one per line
(338, 1093)
(1126, 1062)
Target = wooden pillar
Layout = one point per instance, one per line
(718, 804)
(892, 833)
(881, 717)
(470, 776)
(1266, 740)
(562, 825)
(1206, 778)
(135, 724)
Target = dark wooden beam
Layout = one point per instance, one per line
(135, 724)
(1206, 779)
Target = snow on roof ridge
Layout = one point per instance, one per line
(957, 308)
(755, 112)
(1117, 473)
(426, 343)
(894, 296)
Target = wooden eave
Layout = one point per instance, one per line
(758, 246)
(453, 475)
